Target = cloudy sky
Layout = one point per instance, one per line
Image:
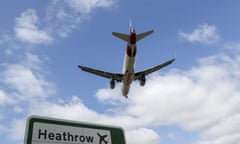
(196, 100)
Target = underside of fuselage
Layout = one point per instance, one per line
(129, 63)
(125, 90)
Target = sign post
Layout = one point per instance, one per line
(43, 130)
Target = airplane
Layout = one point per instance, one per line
(128, 75)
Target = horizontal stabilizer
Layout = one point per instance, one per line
(143, 35)
(124, 37)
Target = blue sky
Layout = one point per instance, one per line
(196, 100)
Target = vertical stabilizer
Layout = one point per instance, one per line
(130, 25)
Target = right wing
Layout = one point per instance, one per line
(114, 76)
(139, 75)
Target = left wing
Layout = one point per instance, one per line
(139, 75)
(114, 76)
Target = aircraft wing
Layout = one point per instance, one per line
(138, 75)
(114, 76)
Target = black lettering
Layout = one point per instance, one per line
(70, 137)
(51, 136)
(89, 139)
(40, 133)
(76, 138)
(82, 138)
(64, 136)
(58, 137)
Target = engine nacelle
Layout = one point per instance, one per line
(142, 80)
(112, 84)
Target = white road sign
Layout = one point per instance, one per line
(42, 130)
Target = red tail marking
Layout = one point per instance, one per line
(131, 53)
(133, 38)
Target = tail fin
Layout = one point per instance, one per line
(124, 37)
(130, 25)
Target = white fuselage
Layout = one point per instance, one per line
(128, 67)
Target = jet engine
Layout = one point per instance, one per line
(112, 84)
(142, 80)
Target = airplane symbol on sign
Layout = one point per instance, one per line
(102, 138)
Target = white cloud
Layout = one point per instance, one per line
(73, 109)
(4, 98)
(18, 109)
(111, 97)
(27, 83)
(225, 127)
(3, 128)
(234, 46)
(24, 85)
(25, 79)
(9, 43)
(86, 6)
(66, 16)
(204, 99)
(32, 61)
(27, 30)
(172, 135)
(61, 19)
(16, 131)
(229, 139)
(142, 136)
(205, 34)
